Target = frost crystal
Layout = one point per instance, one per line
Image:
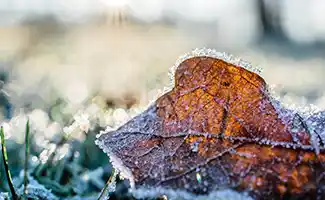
(4, 196)
(316, 122)
(110, 187)
(36, 190)
(195, 146)
(198, 177)
(112, 184)
(142, 193)
(213, 54)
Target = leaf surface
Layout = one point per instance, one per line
(219, 128)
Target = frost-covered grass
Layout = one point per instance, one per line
(62, 160)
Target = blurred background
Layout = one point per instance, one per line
(84, 64)
(123, 48)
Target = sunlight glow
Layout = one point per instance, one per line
(115, 3)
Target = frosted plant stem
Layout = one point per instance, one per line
(26, 159)
(109, 186)
(5, 162)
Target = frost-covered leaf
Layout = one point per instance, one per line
(317, 123)
(219, 128)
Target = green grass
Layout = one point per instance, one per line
(61, 178)
(14, 195)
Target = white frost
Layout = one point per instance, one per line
(183, 195)
(117, 163)
(213, 54)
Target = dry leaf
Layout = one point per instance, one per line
(219, 128)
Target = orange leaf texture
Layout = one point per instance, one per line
(219, 128)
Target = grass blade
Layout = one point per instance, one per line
(109, 186)
(26, 158)
(5, 162)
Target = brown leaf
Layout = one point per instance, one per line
(219, 128)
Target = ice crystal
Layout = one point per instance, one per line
(110, 186)
(35, 190)
(4, 196)
(213, 54)
(183, 195)
(316, 122)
